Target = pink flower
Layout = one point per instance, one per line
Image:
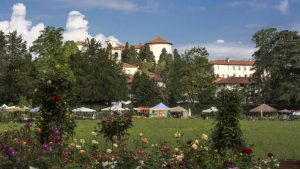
(247, 150)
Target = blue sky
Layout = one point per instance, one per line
(224, 27)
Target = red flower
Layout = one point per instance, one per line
(56, 140)
(270, 154)
(56, 98)
(247, 150)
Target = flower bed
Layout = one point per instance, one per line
(21, 149)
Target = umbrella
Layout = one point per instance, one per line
(263, 108)
(210, 110)
(141, 108)
(178, 109)
(83, 109)
(285, 111)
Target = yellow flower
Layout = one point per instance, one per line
(93, 133)
(82, 141)
(82, 151)
(141, 134)
(108, 151)
(57, 66)
(115, 145)
(204, 137)
(72, 145)
(205, 148)
(176, 149)
(177, 134)
(24, 143)
(194, 146)
(78, 147)
(94, 142)
(196, 141)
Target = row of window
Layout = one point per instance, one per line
(234, 75)
(245, 68)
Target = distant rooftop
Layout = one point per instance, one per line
(234, 80)
(158, 40)
(127, 65)
(233, 62)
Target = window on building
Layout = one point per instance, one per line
(245, 68)
(239, 67)
(233, 67)
(228, 67)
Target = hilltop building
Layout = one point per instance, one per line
(156, 46)
(233, 68)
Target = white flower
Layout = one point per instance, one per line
(176, 149)
(82, 141)
(197, 141)
(109, 151)
(78, 147)
(94, 142)
(115, 145)
(204, 137)
(93, 133)
(194, 146)
(104, 164)
(141, 134)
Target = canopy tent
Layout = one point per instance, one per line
(35, 110)
(183, 112)
(116, 107)
(210, 110)
(83, 109)
(160, 110)
(264, 108)
(285, 111)
(141, 108)
(4, 106)
(15, 109)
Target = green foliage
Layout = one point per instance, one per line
(125, 54)
(56, 85)
(16, 69)
(277, 67)
(227, 132)
(145, 92)
(191, 76)
(114, 127)
(146, 56)
(133, 56)
(99, 77)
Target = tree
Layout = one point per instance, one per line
(144, 91)
(16, 68)
(125, 54)
(277, 67)
(227, 132)
(191, 76)
(163, 66)
(176, 54)
(146, 55)
(133, 56)
(99, 78)
(70, 48)
(56, 86)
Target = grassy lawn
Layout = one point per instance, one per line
(279, 137)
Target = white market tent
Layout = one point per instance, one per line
(210, 110)
(116, 107)
(83, 109)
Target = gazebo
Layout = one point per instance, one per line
(160, 110)
(179, 112)
(264, 109)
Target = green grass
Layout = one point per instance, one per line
(279, 137)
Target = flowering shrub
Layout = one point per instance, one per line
(114, 126)
(21, 149)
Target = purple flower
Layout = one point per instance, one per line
(45, 145)
(56, 132)
(13, 152)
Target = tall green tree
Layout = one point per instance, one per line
(70, 48)
(16, 68)
(133, 56)
(125, 54)
(191, 77)
(145, 92)
(146, 55)
(99, 78)
(277, 67)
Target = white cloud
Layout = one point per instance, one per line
(224, 50)
(125, 5)
(77, 30)
(19, 23)
(283, 6)
(220, 41)
(76, 27)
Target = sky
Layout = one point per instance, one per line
(223, 27)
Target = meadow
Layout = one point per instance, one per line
(282, 138)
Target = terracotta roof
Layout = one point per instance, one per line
(233, 62)
(138, 46)
(126, 65)
(158, 40)
(79, 42)
(234, 80)
(119, 47)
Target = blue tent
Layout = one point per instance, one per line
(161, 106)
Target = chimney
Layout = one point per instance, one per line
(228, 60)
